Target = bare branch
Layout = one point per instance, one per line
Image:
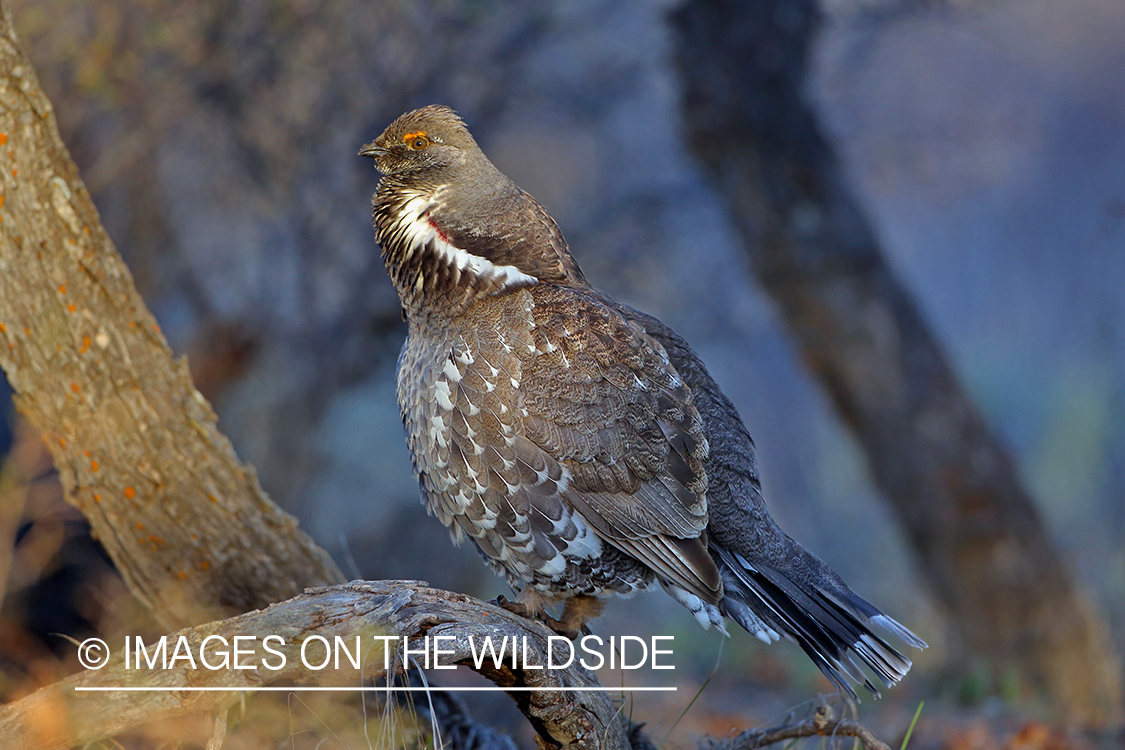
(818, 726)
(58, 716)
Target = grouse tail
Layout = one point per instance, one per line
(814, 607)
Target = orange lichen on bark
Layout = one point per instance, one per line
(71, 307)
(3, 140)
(94, 466)
(75, 387)
(130, 493)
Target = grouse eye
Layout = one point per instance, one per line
(417, 142)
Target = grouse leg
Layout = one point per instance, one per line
(531, 604)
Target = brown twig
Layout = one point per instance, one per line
(814, 727)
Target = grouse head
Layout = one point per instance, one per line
(423, 143)
(452, 227)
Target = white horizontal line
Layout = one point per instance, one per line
(271, 688)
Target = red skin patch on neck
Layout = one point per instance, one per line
(438, 230)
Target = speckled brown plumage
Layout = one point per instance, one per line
(581, 445)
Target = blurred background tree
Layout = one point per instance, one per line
(980, 141)
(979, 538)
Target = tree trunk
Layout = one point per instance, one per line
(979, 539)
(135, 444)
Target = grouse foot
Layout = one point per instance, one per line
(571, 625)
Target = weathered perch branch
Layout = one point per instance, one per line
(58, 717)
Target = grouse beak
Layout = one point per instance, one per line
(372, 150)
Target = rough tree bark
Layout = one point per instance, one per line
(135, 444)
(980, 542)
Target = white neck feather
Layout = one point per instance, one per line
(418, 231)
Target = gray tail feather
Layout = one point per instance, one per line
(831, 627)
